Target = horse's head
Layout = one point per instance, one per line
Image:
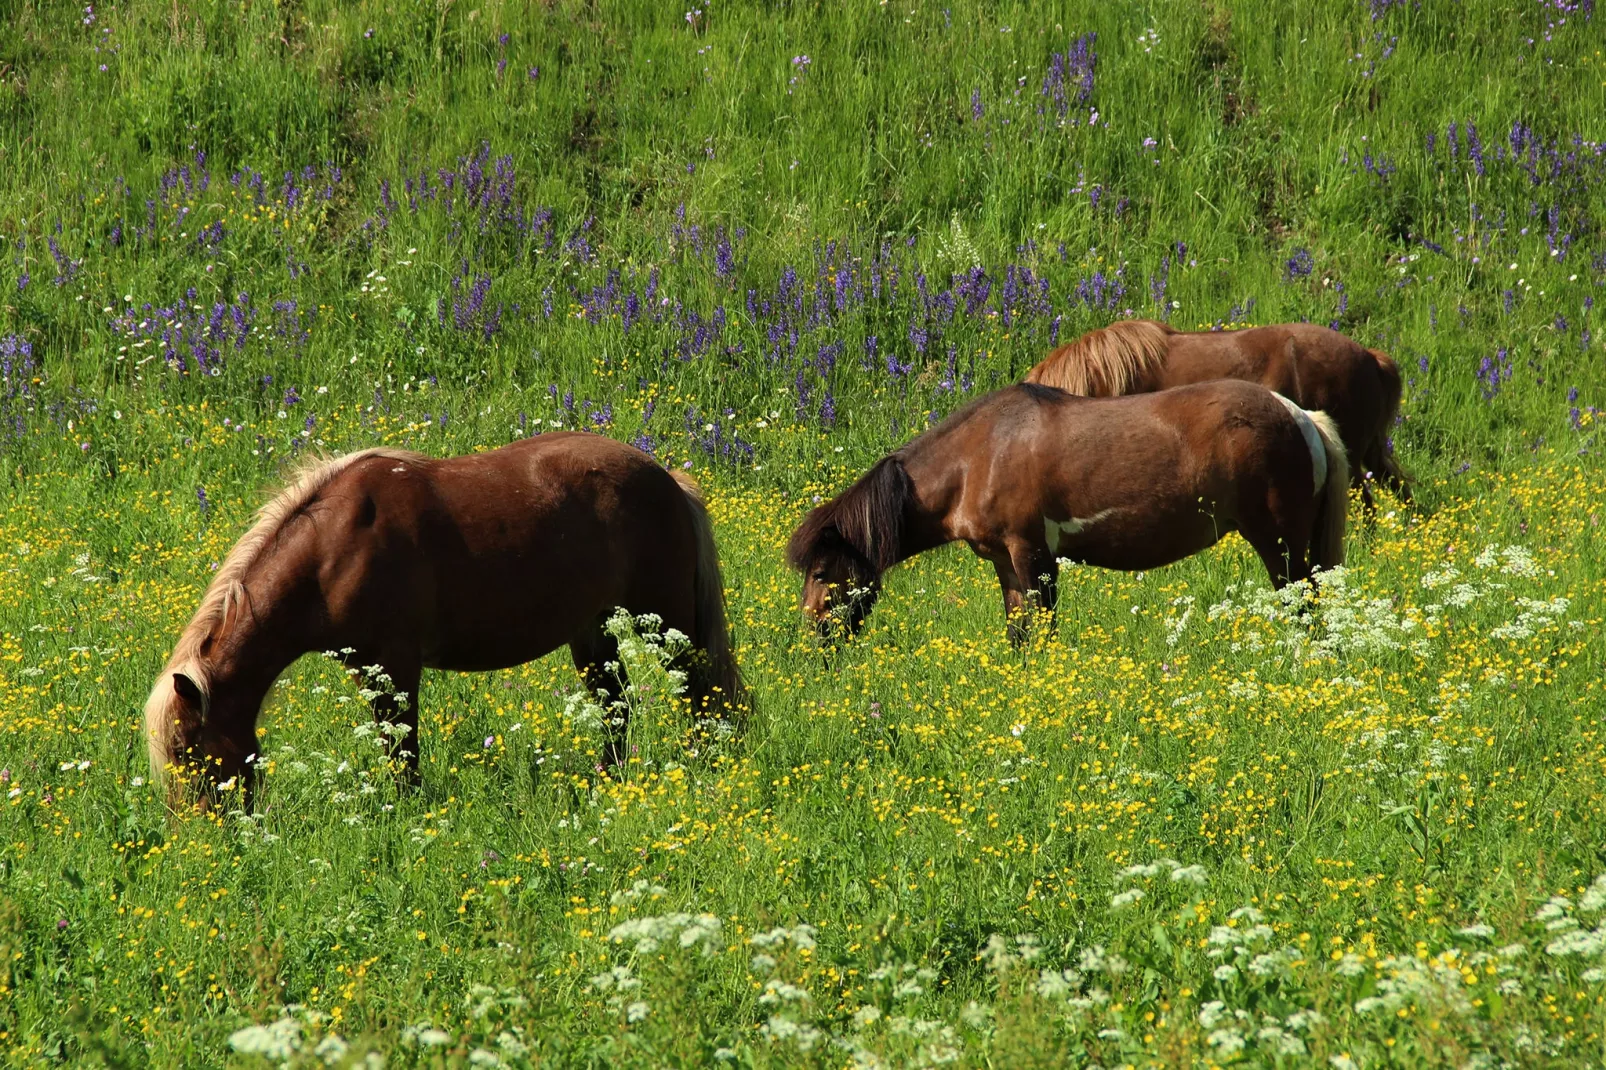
(197, 745)
(839, 587)
(843, 546)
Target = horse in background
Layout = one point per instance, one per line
(1315, 367)
(466, 563)
(1030, 475)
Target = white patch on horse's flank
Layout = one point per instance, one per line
(399, 468)
(1313, 441)
(1057, 530)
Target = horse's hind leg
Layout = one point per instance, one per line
(1365, 478)
(596, 656)
(1283, 547)
(1386, 470)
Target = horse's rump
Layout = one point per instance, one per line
(712, 634)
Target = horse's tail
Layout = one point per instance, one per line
(1380, 456)
(1327, 541)
(712, 630)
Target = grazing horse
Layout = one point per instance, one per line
(1315, 367)
(466, 563)
(1030, 475)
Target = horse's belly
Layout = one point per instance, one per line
(487, 651)
(1133, 539)
(507, 620)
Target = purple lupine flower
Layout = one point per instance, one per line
(724, 260)
(1299, 266)
(1080, 62)
(1474, 148)
(918, 336)
(975, 104)
(1157, 287)
(1053, 89)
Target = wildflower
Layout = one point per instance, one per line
(1126, 898)
(278, 1041)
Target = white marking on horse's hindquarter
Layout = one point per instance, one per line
(1057, 531)
(399, 468)
(1313, 442)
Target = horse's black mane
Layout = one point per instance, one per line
(865, 520)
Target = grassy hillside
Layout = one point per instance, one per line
(770, 242)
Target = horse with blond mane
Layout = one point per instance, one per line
(1315, 367)
(1031, 475)
(465, 563)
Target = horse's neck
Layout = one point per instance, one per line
(937, 486)
(263, 638)
(250, 667)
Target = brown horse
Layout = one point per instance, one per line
(1031, 475)
(1315, 367)
(468, 563)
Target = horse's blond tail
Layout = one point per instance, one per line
(712, 629)
(1327, 541)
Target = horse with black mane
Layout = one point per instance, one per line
(465, 563)
(1031, 475)
(1315, 367)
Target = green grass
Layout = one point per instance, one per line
(1396, 791)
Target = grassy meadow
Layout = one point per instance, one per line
(768, 242)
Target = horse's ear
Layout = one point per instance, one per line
(188, 690)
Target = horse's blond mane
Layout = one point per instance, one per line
(226, 590)
(1107, 362)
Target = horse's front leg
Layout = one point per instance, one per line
(1017, 617)
(1038, 570)
(1029, 577)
